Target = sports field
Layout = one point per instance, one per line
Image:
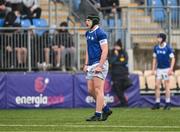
(59, 120)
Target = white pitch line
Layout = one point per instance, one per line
(85, 126)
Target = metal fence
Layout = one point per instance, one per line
(138, 28)
(25, 50)
(143, 24)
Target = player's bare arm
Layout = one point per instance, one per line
(86, 62)
(104, 54)
(172, 66)
(154, 65)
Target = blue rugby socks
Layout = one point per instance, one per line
(106, 108)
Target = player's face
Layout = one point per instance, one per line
(116, 47)
(159, 40)
(88, 23)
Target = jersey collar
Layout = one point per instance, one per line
(164, 45)
(96, 27)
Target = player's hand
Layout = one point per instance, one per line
(98, 69)
(116, 52)
(54, 47)
(170, 72)
(3, 7)
(153, 72)
(9, 48)
(31, 9)
(85, 68)
(62, 48)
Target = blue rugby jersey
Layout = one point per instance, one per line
(95, 39)
(163, 55)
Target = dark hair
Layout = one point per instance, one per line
(63, 24)
(95, 19)
(118, 43)
(163, 36)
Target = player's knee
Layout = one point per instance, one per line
(98, 92)
(90, 91)
(167, 87)
(157, 86)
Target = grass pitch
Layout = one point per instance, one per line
(73, 120)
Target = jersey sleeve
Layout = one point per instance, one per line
(154, 52)
(171, 51)
(102, 37)
(86, 34)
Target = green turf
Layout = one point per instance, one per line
(51, 120)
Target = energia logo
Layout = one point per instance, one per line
(29, 100)
(40, 85)
(108, 99)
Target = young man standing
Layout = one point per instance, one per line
(162, 55)
(96, 66)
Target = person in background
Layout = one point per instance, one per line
(54, 45)
(42, 50)
(65, 42)
(162, 54)
(13, 19)
(119, 72)
(4, 10)
(14, 5)
(31, 9)
(20, 41)
(140, 2)
(109, 7)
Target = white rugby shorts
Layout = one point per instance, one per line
(162, 74)
(102, 75)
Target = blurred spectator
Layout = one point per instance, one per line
(106, 4)
(6, 41)
(55, 47)
(20, 42)
(58, 1)
(47, 48)
(119, 72)
(31, 9)
(4, 10)
(15, 5)
(15, 44)
(109, 6)
(36, 48)
(41, 50)
(141, 2)
(96, 3)
(65, 41)
(12, 19)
